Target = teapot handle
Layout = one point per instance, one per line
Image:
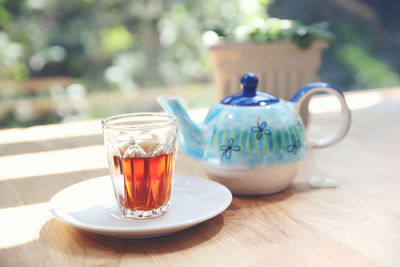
(341, 132)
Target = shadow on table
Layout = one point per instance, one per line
(49, 144)
(67, 239)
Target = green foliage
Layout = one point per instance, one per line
(368, 70)
(278, 30)
(5, 16)
(93, 40)
(116, 39)
(111, 45)
(12, 56)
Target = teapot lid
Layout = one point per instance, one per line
(249, 96)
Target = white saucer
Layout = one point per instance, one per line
(87, 205)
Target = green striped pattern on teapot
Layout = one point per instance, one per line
(258, 142)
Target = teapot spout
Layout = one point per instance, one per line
(191, 137)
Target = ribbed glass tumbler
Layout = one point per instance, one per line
(141, 150)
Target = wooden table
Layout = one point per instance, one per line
(355, 224)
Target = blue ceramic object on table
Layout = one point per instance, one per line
(253, 142)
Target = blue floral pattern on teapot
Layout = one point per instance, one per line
(254, 138)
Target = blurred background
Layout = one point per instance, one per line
(79, 59)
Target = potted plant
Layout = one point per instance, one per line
(284, 54)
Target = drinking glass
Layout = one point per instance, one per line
(141, 150)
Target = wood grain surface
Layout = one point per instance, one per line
(355, 224)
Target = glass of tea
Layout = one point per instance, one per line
(141, 150)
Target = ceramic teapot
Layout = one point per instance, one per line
(253, 142)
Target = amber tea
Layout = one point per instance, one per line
(147, 181)
(141, 151)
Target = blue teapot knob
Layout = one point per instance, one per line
(249, 95)
(249, 83)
